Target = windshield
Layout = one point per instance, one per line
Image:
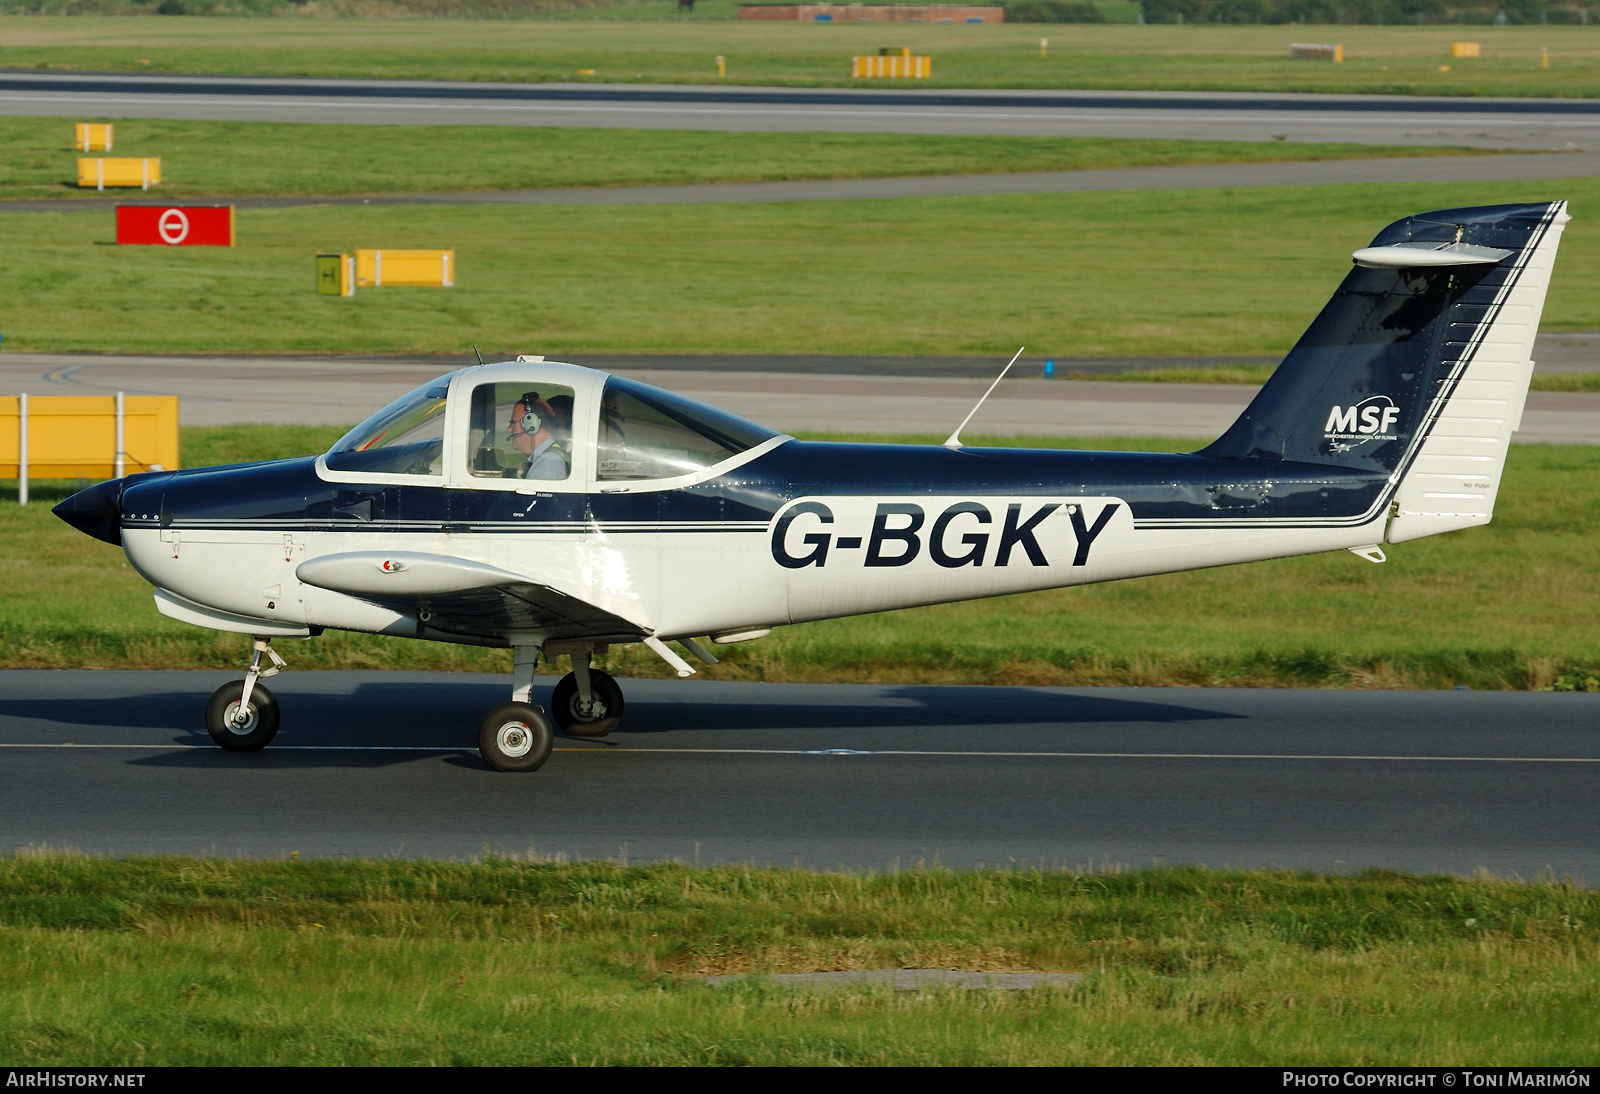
(647, 433)
(404, 438)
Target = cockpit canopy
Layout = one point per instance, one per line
(531, 423)
(647, 433)
(404, 438)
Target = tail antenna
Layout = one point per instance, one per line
(955, 438)
(476, 354)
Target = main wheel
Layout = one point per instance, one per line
(604, 710)
(516, 737)
(260, 722)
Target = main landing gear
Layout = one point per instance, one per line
(586, 702)
(518, 736)
(242, 716)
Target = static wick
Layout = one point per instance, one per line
(954, 440)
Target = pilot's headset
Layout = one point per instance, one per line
(530, 422)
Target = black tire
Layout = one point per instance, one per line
(597, 722)
(261, 727)
(516, 737)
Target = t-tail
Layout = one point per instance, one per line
(1418, 367)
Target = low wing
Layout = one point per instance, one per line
(465, 597)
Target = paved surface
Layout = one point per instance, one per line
(375, 763)
(1546, 168)
(1529, 124)
(219, 391)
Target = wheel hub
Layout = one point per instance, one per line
(592, 711)
(240, 722)
(515, 739)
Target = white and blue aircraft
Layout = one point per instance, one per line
(557, 510)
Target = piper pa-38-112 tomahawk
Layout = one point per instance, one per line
(557, 510)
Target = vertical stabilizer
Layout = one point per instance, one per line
(1418, 368)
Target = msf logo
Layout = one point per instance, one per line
(1372, 419)
(960, 536)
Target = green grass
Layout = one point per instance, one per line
(1567, 381)
(244, 159)
(1513, 605)
(1115, 273)
(1216, 374)
(1388, 60)
(1258, 374)
(150, 962)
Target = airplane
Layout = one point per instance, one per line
(558, 510)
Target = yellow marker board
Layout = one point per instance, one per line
(75, 436)
(375, 268)
(892, 67)
(92, 137)
(99, 172)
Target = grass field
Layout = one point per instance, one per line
(150, 962)
(1386, 60)
(1113, 273)
(1257, 374)
(245, 159)
(1513, 605)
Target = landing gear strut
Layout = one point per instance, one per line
(242, 716)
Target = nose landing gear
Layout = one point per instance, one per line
(242, 715)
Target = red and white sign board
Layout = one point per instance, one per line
(176, 225)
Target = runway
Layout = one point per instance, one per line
(851, 395)
(1525, 124)
(374, 763)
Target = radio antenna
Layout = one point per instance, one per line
(476, 354)
(955, 438)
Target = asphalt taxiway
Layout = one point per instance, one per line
(843, 394)
(376, 763)
(1524, 124)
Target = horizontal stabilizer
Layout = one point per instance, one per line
(1406, 256)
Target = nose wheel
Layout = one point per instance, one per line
(594, 716)
(243, 716)
(239, 724)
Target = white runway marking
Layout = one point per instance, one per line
(1284, 756)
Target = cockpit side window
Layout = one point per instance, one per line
(404, 438)
(647, 433)
(521, 430)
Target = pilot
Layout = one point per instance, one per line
(562, 426)
(532, 432)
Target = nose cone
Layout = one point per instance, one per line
(96, 511)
